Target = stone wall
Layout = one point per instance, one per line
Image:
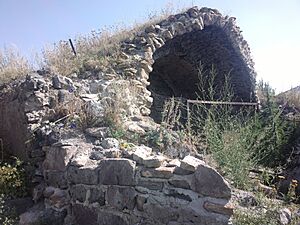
(82, 176)
(164, 58)
(132, 186)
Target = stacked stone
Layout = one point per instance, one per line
(139, 52)
(109, 185)
(104, 184)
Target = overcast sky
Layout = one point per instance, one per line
(271, 27)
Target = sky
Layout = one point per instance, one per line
(271, 27)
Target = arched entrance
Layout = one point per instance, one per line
(175, 68)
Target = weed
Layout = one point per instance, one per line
(240, 139)
(12, 65)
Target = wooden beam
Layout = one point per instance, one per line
(221, 103)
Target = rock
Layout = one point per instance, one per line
(79, 159)
(56, 178)
(183, 182)
(146, 66)
(153, 161)
(121, 197)
(285, 216)
(83, 175)
(179, 28)
(191, 163)
(37, 153)
(57, 158)
(193, 12)
(246, 199)
(83, 215)
(97, 132)
(88, 194)
(59, 198)
(38, 192)
(140, 201)
(180, 171)
(78, 193)
(97, 86)
(269, 191)
(167, 34)
(112, 153)
(140, 153)
(179, 194)
(117, 172)
(60, 82)
(110, 143)
(48, 191)
(97, 155)
(218, 208)
(35, 102)
(151, 184)
(111, 218)
(96, 194)
(135, 128)
(207, 181)
(39, 215)
(160, 172)
(174, 163)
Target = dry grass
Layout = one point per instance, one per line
(118, 101)
(95, 52)
(12, 65)
(99, 49)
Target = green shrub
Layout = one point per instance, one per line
(13, 179)
(240, 139)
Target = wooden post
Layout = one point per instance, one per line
(72, 46)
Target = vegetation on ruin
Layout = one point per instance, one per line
(13, 184)
(236, 141)
(94, 52)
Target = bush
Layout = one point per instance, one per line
(12, 179)
(241, 139)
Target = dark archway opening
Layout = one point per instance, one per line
(175, 68)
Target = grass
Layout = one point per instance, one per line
(12, 65)
(266, 212)
(98, 51)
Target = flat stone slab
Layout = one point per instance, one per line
(141, 153)
(207, 181)
(117, 171)
(153, 161)
(191, 163)
(160, 172)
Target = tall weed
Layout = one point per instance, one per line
(240, 139)
(12, 65)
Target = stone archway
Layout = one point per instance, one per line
(174, 48)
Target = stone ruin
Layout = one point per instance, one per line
(87, 177)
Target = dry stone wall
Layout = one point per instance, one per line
(143, 188)
(83, 176)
